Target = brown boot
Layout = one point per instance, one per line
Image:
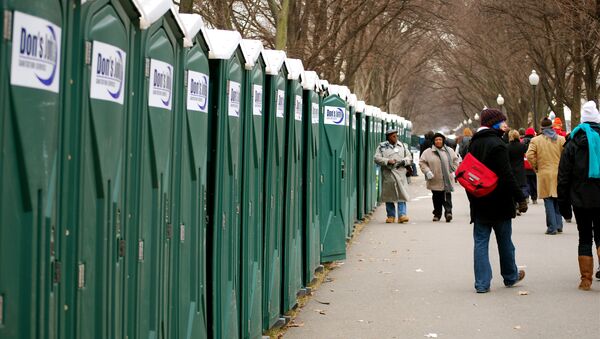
(586, 268)
(402, 219)
(390, 220)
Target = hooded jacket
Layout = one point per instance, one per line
(574, 186)
(488, 147)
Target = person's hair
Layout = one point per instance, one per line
(513, 135)
(521, 131)
(467, 132)
(429, 135)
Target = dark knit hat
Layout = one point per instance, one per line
(546, 122)
(439, 135)
(490, 117)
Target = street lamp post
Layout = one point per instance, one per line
(500, 102)
(534, 80)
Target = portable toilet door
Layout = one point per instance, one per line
(292, 234)
(189, 316)
(274, 133)
(32, 53)
(98, 110)
(252, 183)
(311, 243)
(360, 159)
(332, 158)
(224, 181)
(153, 134)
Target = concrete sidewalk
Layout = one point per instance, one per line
(415, 280)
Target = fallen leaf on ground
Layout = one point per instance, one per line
(361, 260)
(523, 292)
(323, 302)
(295, 324)
(320, 311)
(518, 327)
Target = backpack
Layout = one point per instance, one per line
(475, 177)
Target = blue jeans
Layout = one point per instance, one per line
(390, 208)
(506, 250)
(553, 217)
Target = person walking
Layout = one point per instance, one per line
(579, 186)
(463, 147)
(426, 143)
(529, 172)
(557, 125)
(516, 153)
(495, 210)
(438, 163)
(394, 157)
(544, 156)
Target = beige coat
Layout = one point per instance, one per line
(430, 161)
(544, 156)
(394, 185)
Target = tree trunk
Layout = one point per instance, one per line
(282, 26)
(186, 6)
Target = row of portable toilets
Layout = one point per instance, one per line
(164, 180)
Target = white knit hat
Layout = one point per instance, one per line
(589, 113)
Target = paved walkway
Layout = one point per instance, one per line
(416, 280)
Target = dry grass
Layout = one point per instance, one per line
(278, 333)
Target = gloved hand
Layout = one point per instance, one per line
(522, 206)
(407, 161)
(400, 163)
(429, 175)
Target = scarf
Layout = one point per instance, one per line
(446, 163)
(550, 133)
(594, 149)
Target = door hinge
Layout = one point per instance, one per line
(185, 79)
(169, 231)
(81, 276)
(88, 52)
(122, 245)
(141, 250)
(147, 68)
(1, 309)
(7, 27)
(57, 273)
(182, 232)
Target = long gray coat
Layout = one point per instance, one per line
(394, 183)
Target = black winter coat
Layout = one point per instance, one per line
(526, 141)
(488, 147)
(516, 154)
(574, 186)
(424, 146)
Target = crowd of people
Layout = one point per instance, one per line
(561, 169)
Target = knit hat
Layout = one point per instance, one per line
(530, 132)
(557, 122)
(589, 113)
(391, 131)
(546, 123)
(490, 117)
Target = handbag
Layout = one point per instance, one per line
(475, 177)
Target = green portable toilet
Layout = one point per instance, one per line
(274, 133)
(98, 108)
(33, 58)
(311, 243)
(252, 183)
(368, 121)
(153, 134)
(333, 167)
(360, 159)
(224, 185)
(190, 258)
(343, 92)
(292, 228)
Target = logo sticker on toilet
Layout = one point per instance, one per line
(334, 116)
(234, 94)
(161, 84)
(298, 111)
(280, 104)
(36, 47)
(108, 73)
(197, 92)
(257, 100)
(315, 113)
